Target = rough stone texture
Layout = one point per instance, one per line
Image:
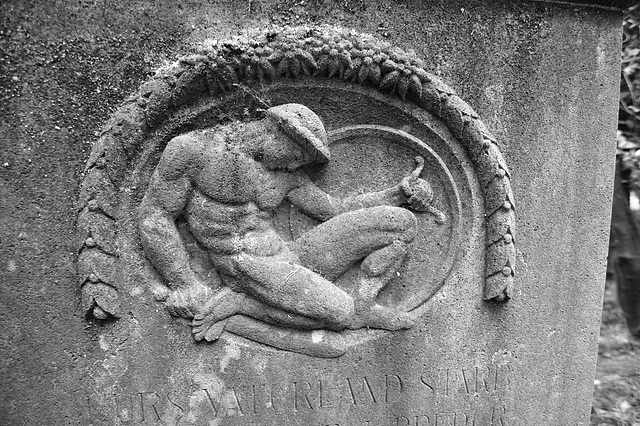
(605, 4)
(542, 76)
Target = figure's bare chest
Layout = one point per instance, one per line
(232, 177)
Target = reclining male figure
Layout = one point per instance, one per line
(228, 182)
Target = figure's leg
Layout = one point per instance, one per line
(293, 288)
(335, 245)
(379, 268)
(376, 270)
(379, 237)
(211, 321)
(289, 294)
(275, 289)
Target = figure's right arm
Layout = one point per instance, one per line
(165, 199)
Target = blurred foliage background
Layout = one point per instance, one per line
(616, 390)
(629, 117)
(624, 248)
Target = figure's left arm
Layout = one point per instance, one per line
(412, 192)
(315, 202)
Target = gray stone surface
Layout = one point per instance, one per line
(542, 77)
(604, 4)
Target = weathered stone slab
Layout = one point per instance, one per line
(489, 126)
(604, 4)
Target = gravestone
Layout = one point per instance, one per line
(324, 214)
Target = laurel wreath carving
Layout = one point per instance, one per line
(260, 58)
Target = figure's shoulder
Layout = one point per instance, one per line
(184, 147)
(185, 153)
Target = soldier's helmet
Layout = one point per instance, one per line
(304, 127)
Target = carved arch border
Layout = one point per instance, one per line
(259, 58)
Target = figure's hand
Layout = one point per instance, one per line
(419, 192)
(210, 322)
(187, 301)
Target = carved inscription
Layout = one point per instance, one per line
(492, 416)
(304, 395)
(442, 397)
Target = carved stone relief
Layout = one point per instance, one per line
(281, 186)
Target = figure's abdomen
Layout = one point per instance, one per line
(232, 228)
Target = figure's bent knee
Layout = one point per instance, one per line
(397, 220)
(404, 219)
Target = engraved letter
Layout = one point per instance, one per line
(146, 397)
(175, 405)
(298, 391)
(496, 416)
(426, 380)
(446, 419)
(469, 420)
(469, 385)
(367, 387)
(273, 397)
(125, 414)
(422, 420)
(347, 395)
(233, 408)
(215, 407)
(402, 421)
(325, 394)
(393, 384)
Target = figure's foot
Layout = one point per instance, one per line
(384, 260)
(378, 269)
(210, 322)
(382, 317)
(208, 331)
